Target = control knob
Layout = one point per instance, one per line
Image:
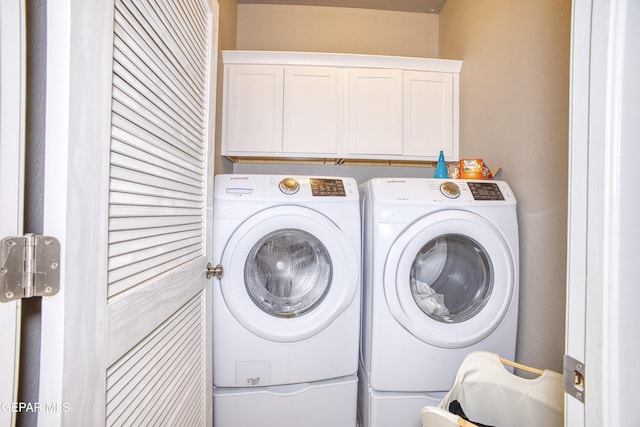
(450, 189)
(289, 186)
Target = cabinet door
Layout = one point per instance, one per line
(428, 121)
(253, 110)
(311, 110)
(374, 112)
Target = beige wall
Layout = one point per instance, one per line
(514, 113)
(336, 29)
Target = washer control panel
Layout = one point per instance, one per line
(319, 186)
(292, 188)
(327, 187)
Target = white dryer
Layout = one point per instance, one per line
(440, 279)
(286, 312)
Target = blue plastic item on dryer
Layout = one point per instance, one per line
(441, 167)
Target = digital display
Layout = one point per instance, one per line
(485, 191)
(327, 187)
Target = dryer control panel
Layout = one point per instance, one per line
(485, 191)
(479, 190)
(457, 192)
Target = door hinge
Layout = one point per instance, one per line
(574, 377)
(29, 267)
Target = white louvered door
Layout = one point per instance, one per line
(127, 341)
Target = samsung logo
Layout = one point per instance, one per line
(239, 178)
(396, 181)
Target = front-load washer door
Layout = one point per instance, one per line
(449, 278)
(289, 272)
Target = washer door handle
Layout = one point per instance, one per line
(216, 271)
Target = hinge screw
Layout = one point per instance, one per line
(3, 270)
(54, 265)
(48, 289)
(9, 295)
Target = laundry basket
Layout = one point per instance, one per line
(489, 394)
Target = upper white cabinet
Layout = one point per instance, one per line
(430, 114)
(311, 110)
(253, 108)
(374, 118)
(316, 105)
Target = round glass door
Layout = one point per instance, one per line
(288, 273)
(451, 278)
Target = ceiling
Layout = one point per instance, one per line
(423, 6)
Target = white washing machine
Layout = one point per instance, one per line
(286, 312)
(440, 279)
